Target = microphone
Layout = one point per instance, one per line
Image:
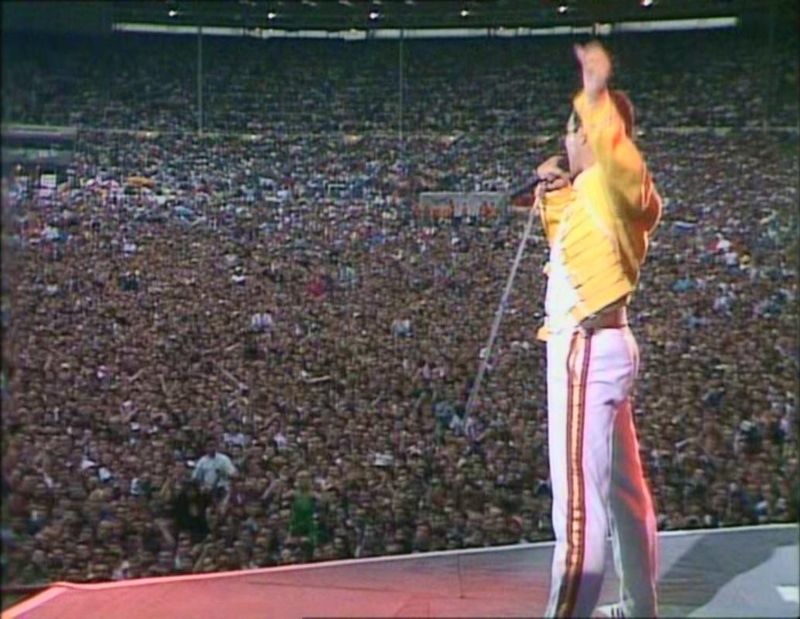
(525, 187)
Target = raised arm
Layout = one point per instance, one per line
(609, 138)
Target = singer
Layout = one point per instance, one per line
(597, 219)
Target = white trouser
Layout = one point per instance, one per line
(596, 474)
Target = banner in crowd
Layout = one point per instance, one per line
(436, 205)
(47, 148)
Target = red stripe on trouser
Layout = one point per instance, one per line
(576, 501)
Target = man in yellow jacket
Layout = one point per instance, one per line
(597, 219)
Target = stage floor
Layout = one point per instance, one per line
(741, 572)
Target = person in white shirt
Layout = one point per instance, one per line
(214, 471)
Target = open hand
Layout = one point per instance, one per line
(595, 68)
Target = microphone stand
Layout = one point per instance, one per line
(498, 317)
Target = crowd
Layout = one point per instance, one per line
(225, 352)
(716, 78)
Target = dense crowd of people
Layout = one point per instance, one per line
(723, 78)
(233, 351)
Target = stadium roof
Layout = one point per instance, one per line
(345, 14)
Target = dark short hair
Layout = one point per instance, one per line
(625, 110)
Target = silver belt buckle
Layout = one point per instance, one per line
(586, 326)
